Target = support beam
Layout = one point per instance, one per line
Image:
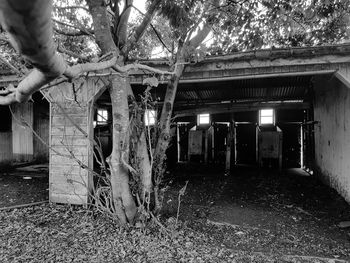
(135, 79)
(227, 108)
(343, 74)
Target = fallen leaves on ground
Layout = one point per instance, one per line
(57, 233)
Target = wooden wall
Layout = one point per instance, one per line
(22, 135)
(41, 127)
(5, 136)
(70, 151)
(70, 148)
(5, 148)
(17, 141)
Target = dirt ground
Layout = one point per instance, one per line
(248, 211)
(290, 213)
(24, 185)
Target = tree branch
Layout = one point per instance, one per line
(202, 33)
(70, 33)
(71, 7)
(122, 30)
(155, 31)
(61, 49)
(142, 27)
(33, 38)
(102, 26)
(77, 70)
(12, 67)
(80, 29)
(135, 66)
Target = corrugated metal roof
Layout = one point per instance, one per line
(285, 88)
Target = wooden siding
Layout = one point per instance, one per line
(22, 144)
(69, 146)
(41, 127)
(5, 148)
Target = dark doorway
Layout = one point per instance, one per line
(246, 143)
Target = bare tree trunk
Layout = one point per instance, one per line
(165, 118)
(141, 149)
(145, 165)
(164, 126)
(123, 199)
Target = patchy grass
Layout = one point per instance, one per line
(50, 233)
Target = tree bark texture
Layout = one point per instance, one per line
(164, 126)
(165, 118)
(102, 27)
(185, 50)
(123, 199)
(119, 92)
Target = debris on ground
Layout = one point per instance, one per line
(23, 185)
(344, 224)
(278, 213)
(57, 233)
(244, 217)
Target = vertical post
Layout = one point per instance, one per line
(301, 146)
(178, 142)
(258, 156)
(91, 148)
(229, 146)
(228, 153)
(206, 146)
(234, 142)
(189, 146)
(280, 152)
(213, 143)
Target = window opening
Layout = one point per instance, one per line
(266, 116)
(150, 117)
(102, 116)
(203, 119)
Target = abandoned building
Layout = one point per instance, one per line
(19, 124)
(277, 108)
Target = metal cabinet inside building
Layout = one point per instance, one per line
(269, 144)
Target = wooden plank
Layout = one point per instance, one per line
(42, 128)
(68, 199)
(57, 159)
(69, 149)
(68, 92)
(343, 75)
(78, 140)
(73, 110)
(58, 120)
(62, 120)
(66, 178)
(64, 169)
(22, 146)
(69, 188)
(95, 87)
(5, 147)
(73, 131)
